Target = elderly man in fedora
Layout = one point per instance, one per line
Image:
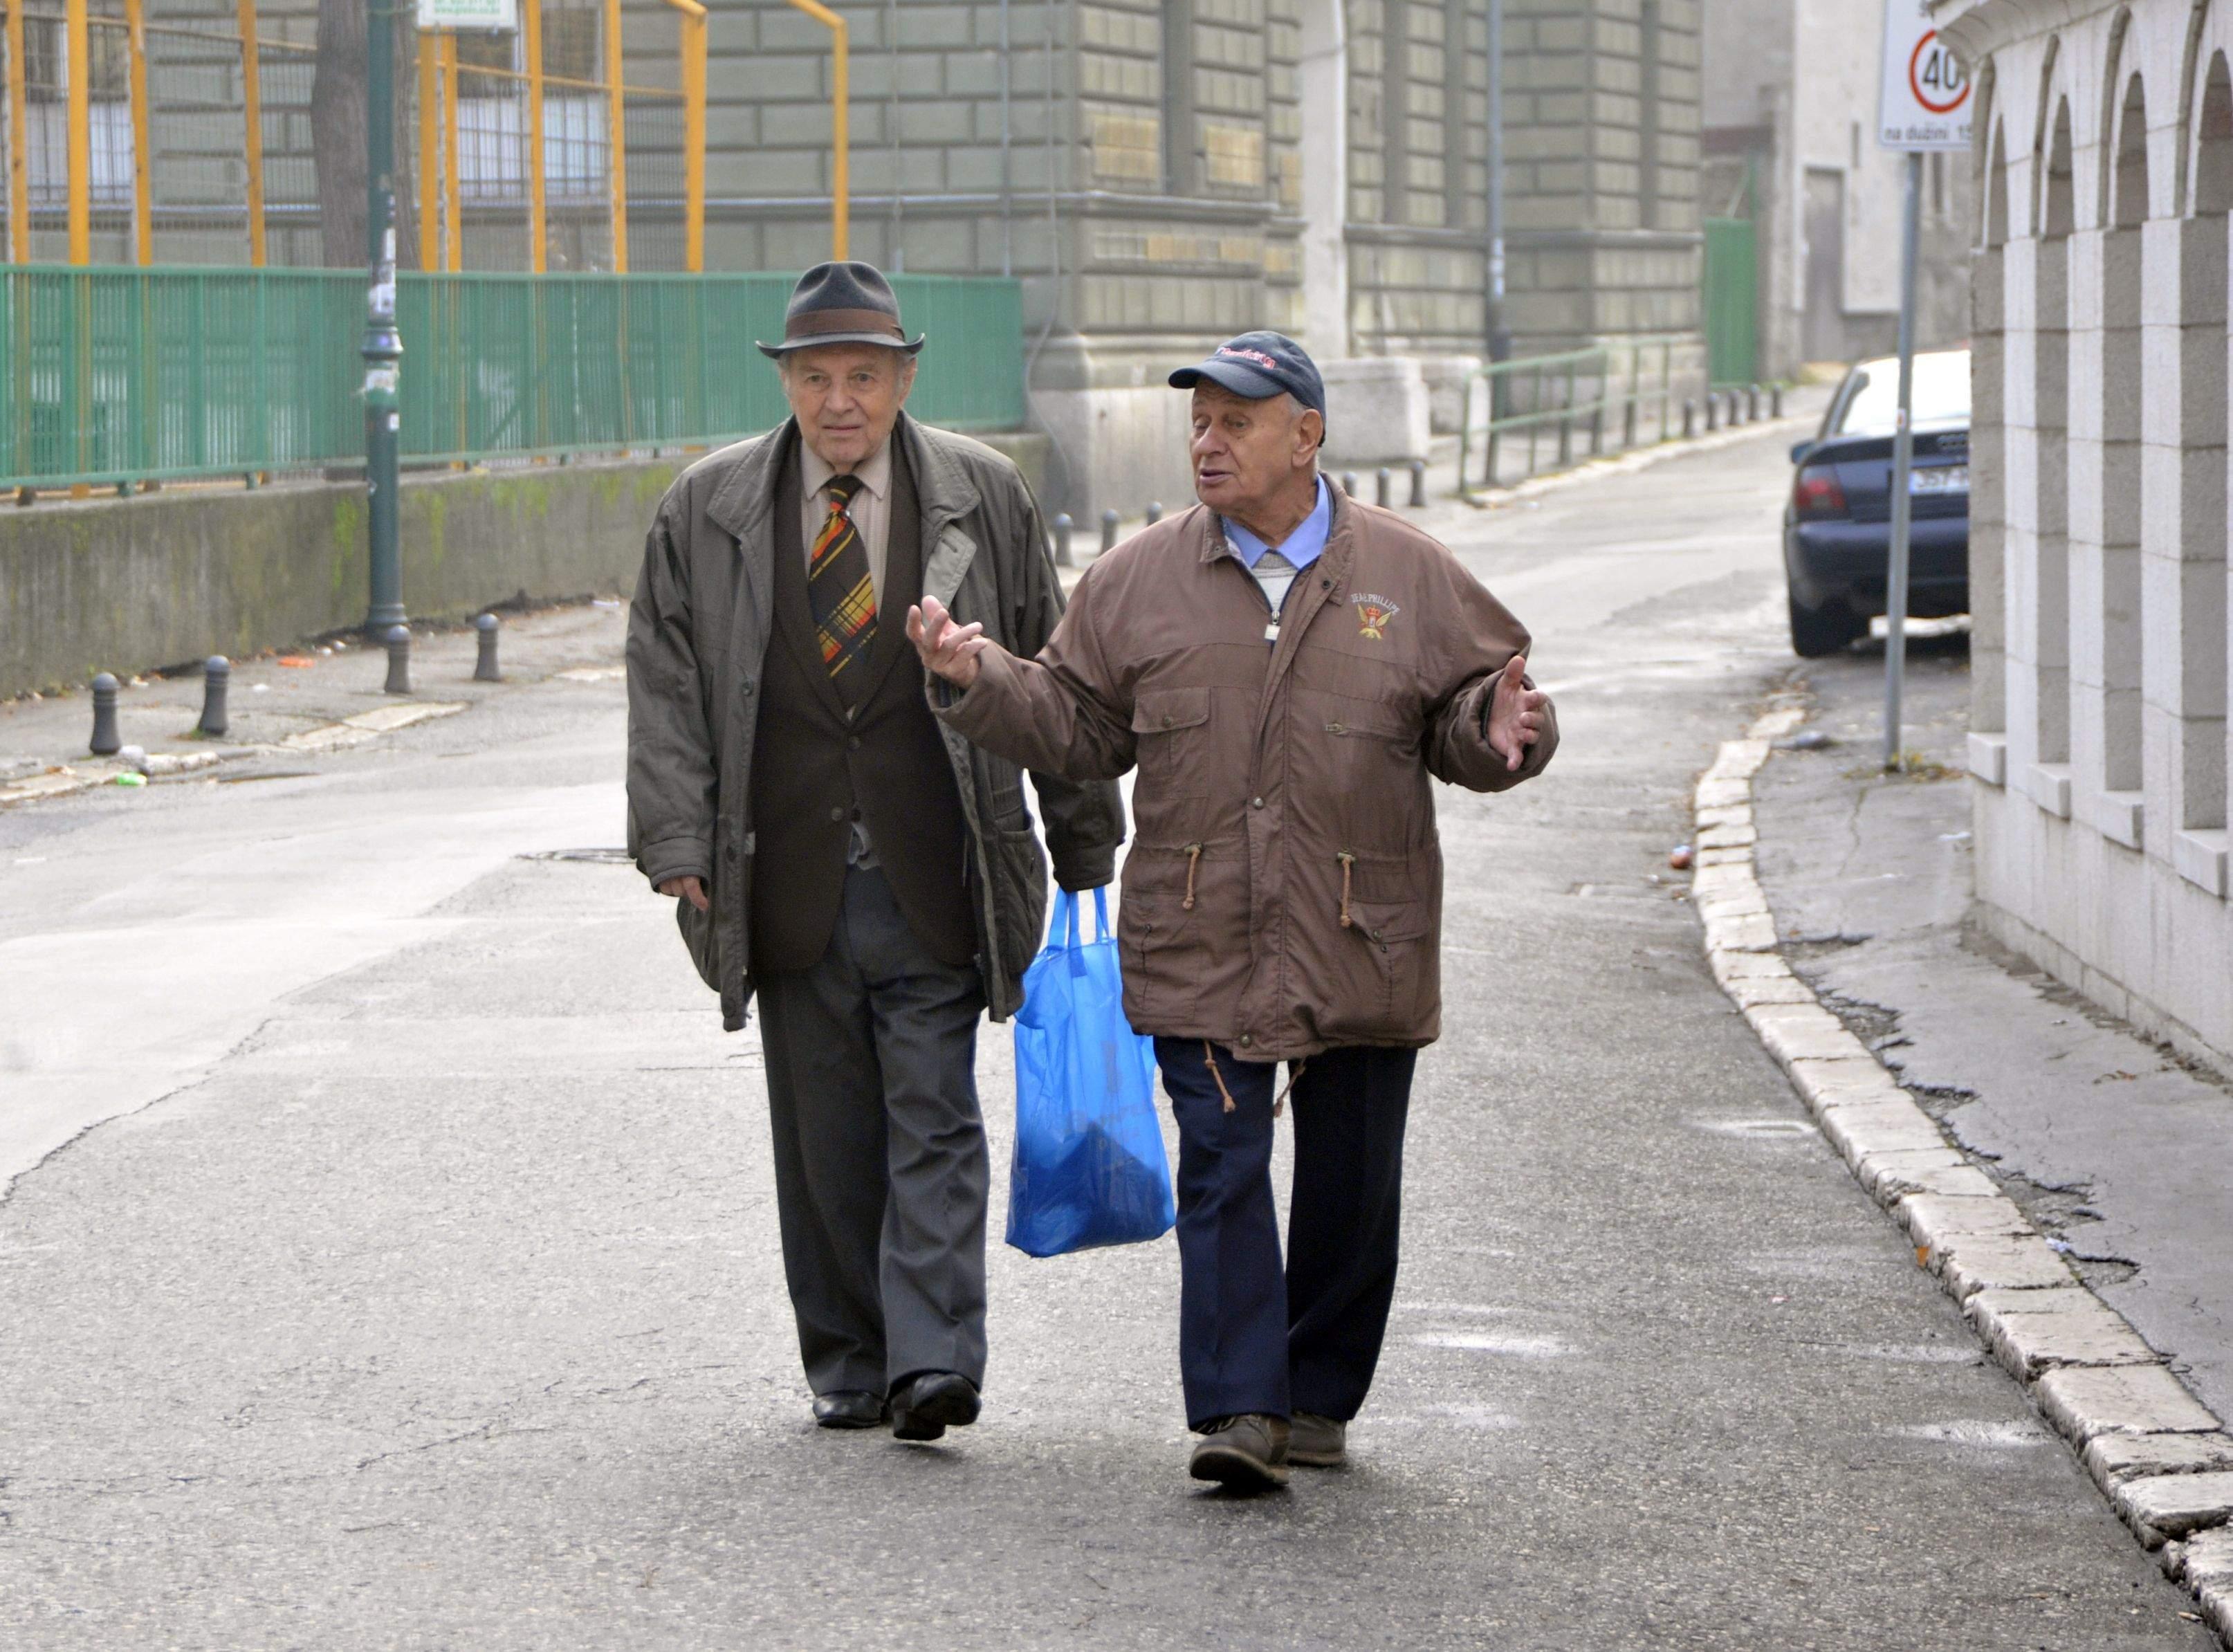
(874, 879)
(1290, 670)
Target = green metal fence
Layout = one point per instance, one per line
(1614, 394)
(111, 376)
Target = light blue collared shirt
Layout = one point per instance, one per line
(1303, 545)
(1277, 576)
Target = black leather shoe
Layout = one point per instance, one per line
(925, 1406)
(849, 1409)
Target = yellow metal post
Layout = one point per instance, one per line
(693, 134)
(616, 138)
(251, 87)
(80, 131)
(840, 185)
(143, 171)
(430, 177)
(453, 226)
(531, 27)
(19, 180)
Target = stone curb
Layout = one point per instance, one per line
(365, 726)
(2159, 1456)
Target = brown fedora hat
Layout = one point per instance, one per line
(842, 304)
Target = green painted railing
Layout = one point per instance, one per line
(1549, 402)
(111, 376)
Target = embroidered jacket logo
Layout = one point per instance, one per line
(1373, 614)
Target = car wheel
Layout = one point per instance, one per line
(1829, 629)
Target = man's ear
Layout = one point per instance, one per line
(1310, 432)
(907, 376)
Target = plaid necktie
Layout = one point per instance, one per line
(839, 591)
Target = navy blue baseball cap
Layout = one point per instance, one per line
(1257, 365)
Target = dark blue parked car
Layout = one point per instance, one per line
(1837, 529)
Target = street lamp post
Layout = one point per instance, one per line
(1499, 339)
(383, 346)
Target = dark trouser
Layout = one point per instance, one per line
(1251, 1338)
(880, 1164)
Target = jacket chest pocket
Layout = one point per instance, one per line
(1171, 737)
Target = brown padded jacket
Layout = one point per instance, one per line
(1283, 895)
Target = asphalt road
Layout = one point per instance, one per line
(422, 1290)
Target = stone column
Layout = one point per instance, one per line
(1325, 77)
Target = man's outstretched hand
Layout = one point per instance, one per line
(949, 650)
(1515, 714)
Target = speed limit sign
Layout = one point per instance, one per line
(1925, 104)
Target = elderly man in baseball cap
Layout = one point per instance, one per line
(1289, 671)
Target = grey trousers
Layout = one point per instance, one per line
(880, 1162)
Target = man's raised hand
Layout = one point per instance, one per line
(949, 650)
(1515, 714)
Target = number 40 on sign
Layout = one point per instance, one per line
(1925, 103)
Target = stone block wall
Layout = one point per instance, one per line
(2098, 565)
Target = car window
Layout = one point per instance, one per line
(1940, 396)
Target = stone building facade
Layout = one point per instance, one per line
(1162, 173)
(2099, 527)
(1159, 173)
(1790, 113)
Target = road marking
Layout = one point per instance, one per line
(1479, 1342)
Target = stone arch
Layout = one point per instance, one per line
(2041, 132)
(2112, 124)
(2125, 176)
(2213, 139)
(2189, 85)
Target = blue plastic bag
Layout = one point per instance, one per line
(1089, 1167)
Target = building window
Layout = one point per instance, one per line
(46, 97)
(492, 112)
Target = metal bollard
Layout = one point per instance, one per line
(1752, 403)
(1349, 483)
(1382, 496)
(1713, 411)
(1628, 423)
(398, 638)
(1689, 418)
(485, 669)
(1062, 527)
(217, 678)
(1418, 484)
(1775, 401)
(1154, 511)
(1108, 531)
(106, 742)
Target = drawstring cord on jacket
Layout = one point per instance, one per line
(1194, 858)
(1209, 1060)
(1294, 1076)
(1347, 861)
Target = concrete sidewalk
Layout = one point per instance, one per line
(290, 706)
(2120, 1151)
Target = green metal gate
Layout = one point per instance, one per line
(1732, 301)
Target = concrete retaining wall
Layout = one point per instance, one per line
(127, 585)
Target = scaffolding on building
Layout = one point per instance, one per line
(187, 138)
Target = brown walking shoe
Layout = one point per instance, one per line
(1318, 1442)
(1248, 1453)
